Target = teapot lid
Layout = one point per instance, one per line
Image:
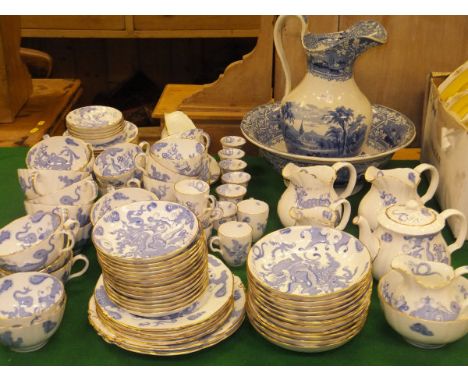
(411, 218)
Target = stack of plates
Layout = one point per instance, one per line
(101, 126)
(153, 257)
(214, 316)
(309, 287)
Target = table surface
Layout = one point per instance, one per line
(76, 343)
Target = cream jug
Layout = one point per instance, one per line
(312, 186)
(394, 186)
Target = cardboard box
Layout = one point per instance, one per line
(445, 145)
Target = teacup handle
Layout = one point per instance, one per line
(145, 146)
(207, 140)
(216, 214)
(140, 163)
(352, 178)
(134, 182)
(460, 235)
(89, 146)
(346, 213)
(92, 185)
(70, 240)
(434, 182)
(215, 244)
(83, 270)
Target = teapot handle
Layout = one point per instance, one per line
(277, 36)
(434, 182)
(352, 178)
(460, 235)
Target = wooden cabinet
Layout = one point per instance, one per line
(140, 26)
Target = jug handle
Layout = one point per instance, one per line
(461, 234)
(346, 213)
(434, 182)
(352, 178)
(277, 36)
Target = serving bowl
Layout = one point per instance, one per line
(390, 132)
(34, 241)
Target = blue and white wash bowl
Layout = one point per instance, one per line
(34, 241)
(390, 132)
(59, 153)
(32, 309)
(433, 314)
(36, 183)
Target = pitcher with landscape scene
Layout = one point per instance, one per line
(327, 115)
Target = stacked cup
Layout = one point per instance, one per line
(59, 176)
(173, 159)
(38, 242)
(195, 195)
(116, 166)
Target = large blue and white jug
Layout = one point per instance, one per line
(327, 115)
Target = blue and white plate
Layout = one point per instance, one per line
(191, 345)
(390, 132)
(59, 153)
(145, 230)
(212, 301)
(309, 261)
(28, 294)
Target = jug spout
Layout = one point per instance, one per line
(372, 173)
(289, 170)
(366, 236)
(368, 33)
(426, 274)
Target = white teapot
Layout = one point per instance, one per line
(312, 186)
(397, 185)
(409, 229)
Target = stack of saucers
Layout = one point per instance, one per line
(153, 257)
(101, 126)
(309, 287)
(59, 177)
(213, 317)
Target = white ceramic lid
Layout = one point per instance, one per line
(411, 218)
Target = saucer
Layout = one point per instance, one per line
(390, 132)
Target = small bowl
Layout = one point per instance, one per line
(83, 192)
(232, 165)
(237, 177)
(232, 141)
(231, 153)
(34, 241)
(35, 183)
(119, 198)
(231, 192)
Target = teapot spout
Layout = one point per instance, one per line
(366, 236)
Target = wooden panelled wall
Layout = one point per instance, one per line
(394, 74)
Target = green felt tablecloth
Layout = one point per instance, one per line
(76, 343)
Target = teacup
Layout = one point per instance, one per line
(183, 156)
(82, 237)
(211, 215)
(231, 192)
(237, 177)
(35, 183)
(117, 161)
(255, 213)
(336, 215)
(197, 134)
(82, 192)
(233, 242)
(231, 165)
(232, 141)
(155, 170)
(163, 190)
(34, 241)
(231, 153)
(229, 213)
(80, 213)
(117, 198)
(195, 195)
(64, 272)
(59, 153)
